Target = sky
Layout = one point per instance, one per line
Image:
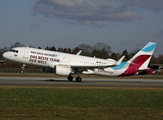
(122, 24)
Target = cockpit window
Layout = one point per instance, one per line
(12, 50)
(15, 51)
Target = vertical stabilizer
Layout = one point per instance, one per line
(144, 55)
(141, 60)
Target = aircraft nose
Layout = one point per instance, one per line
(5, 55)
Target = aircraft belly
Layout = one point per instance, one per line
(105, 72)
(108, 72)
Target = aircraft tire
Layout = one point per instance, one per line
(70, 78)
(78, 79)
(21, 71)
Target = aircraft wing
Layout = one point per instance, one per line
(86, 67)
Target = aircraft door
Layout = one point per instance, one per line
(26, 53)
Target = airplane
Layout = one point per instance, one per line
(66, 64)
(2, 61)
(156, 67)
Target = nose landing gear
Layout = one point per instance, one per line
(22, 70)
(70, 78)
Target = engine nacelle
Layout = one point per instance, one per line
(62, 70)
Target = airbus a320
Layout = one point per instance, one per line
(69, 64)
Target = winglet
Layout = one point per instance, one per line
(119, 61)
(79, 52)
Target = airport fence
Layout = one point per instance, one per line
(17, 70)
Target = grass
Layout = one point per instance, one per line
(82, 103)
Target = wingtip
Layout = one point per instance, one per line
(119, 61)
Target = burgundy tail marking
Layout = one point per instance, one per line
(135, 65)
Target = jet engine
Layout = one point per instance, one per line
(62, 70)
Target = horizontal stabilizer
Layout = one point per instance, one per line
(145, 71)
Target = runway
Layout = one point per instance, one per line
(85, 82)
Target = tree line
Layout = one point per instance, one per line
(98, 50)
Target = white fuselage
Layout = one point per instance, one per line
(67, 64)
(45, 58)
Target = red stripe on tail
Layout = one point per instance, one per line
(135, 65)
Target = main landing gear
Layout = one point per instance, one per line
(78, 79)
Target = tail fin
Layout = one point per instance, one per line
(143, 57)
(141, 60)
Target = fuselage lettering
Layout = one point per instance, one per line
(42, 62)
(32, 60)
(33, 56)
(43, 58)
(54, 60)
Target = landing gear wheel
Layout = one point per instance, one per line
(21, 71)
(78, 79)
(70, 78)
